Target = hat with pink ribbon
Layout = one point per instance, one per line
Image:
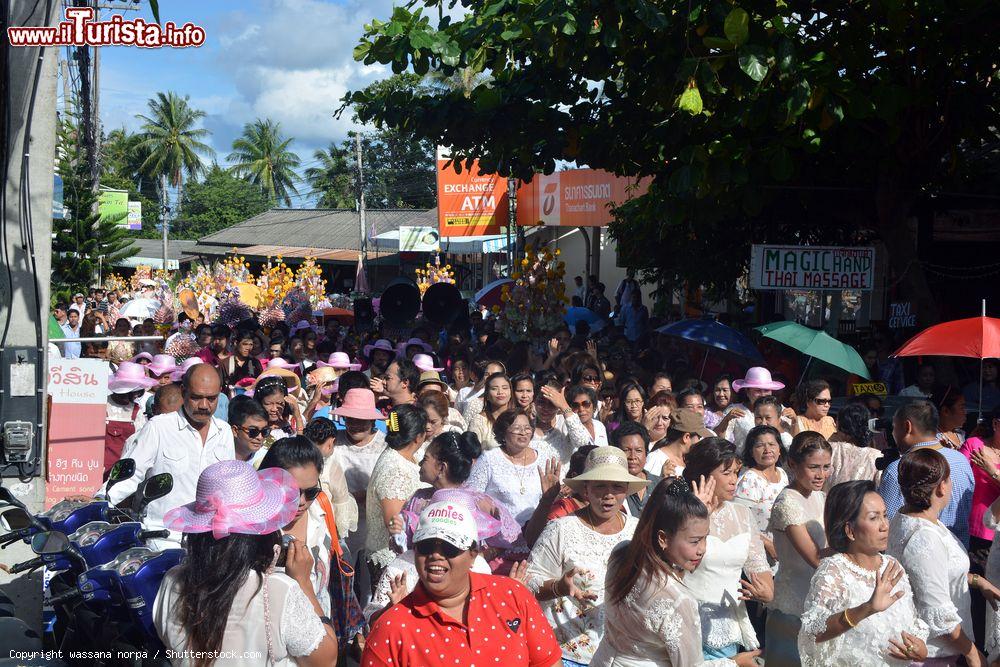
(415, 342)
(339, 360)
(232, 497)
(162, 364)
(143, 356)
(425, 362)
(178, 375)
(758, 377)
(380, 344)
(130, 377)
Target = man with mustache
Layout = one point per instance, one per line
(182, 443)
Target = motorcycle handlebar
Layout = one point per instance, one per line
(65, 597)
(27, 565)
(153, 534)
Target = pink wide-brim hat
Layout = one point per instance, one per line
(130, 377)
(401, 348)
(142, 355)
(279, 362)
(162, 364)
(339, 360)
(380, 344)
(425, 363)
(232, 497)
(757, 377)
(358, 404)
(178, 375)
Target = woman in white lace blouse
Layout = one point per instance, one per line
(799, 538)
(734, 547)
(762, 478)
(859, 610)
(395, 478)
(651, 618)
(496, 401)
(934, 559)
(567, 566)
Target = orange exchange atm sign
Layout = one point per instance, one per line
(575, 197)
(469, 204)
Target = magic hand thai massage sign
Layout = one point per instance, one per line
(774, 267)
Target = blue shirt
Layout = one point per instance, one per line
(71, 350)
(956, 514)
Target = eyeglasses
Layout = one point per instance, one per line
(428, 547)
(822, 401)
(581, 404)
(254, 432)
(634, 402)
(589, 378)
(311, 493)
(520, 431)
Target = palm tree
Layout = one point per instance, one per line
(261, 154)
(171, 142)
(333, 177)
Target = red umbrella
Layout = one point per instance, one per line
(342, 315)
(975, 337)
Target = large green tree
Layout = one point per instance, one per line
(220, 200)
(759, 120)
(83, 242)
(261, 155)
(172, 143)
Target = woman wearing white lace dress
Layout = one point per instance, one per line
(734, 546)
(511, 472)
(799, 538)
(859, 610)
(651, 618)
(496, 401)
(567, 567)
(934, 559)
(395, 478)
(762, 478)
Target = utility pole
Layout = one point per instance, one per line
(67, 97)
(164, 221)
(363, 243)
(511, 221)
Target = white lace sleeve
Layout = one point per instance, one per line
(380, 598)
(393, 482)
(578, 435)
(929, 579)
(750, 489)
(472, 408)
(787, 511)
(345, 507)
(678, 625)
(545, 561)
(300, 626)
(827, 596)
(479, 476)
(756, 561)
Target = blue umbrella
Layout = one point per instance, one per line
(576, 314)
(714, 336)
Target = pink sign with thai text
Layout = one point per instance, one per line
(78, 389)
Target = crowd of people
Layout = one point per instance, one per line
(456, 498)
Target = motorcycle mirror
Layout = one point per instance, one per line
(120, 471)
(8, 497)
(50, 542)
(15, 519)
(156, 487)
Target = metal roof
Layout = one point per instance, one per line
(312, 229)
(153, 249)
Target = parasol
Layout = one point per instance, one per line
(816, 345)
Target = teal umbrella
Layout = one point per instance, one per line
(817, 344)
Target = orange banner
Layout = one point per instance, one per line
(469, 204)
(575, 197)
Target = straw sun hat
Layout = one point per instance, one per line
(607, 464)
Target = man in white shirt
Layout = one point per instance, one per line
(924, 387)
(72, 330)
(182, 443)
(79, 305)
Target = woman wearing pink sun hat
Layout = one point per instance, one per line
(738, 419)
(339, 361)
(225, 595)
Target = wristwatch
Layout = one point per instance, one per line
(326, 620)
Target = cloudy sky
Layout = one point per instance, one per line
(289, 60)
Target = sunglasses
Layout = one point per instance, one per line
(822, 401)
(310, 493)
(581, 404)
(446, 549)
(589, 378)
(254, 432)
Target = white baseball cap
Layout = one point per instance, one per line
(448, 521)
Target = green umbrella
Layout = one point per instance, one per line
(818, 344)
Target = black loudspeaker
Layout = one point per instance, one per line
(400, 301)
(364, 315)
(442, 303)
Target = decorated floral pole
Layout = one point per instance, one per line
(534, 305)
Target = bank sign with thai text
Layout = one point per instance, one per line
(774, 267)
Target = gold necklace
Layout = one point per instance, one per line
(521, 468)
(593, 524)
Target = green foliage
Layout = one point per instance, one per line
(759, 120)
(219, 201)
(82, 242)
(261, 155)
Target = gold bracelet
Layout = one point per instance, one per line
(975, 579)
(847, 619)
